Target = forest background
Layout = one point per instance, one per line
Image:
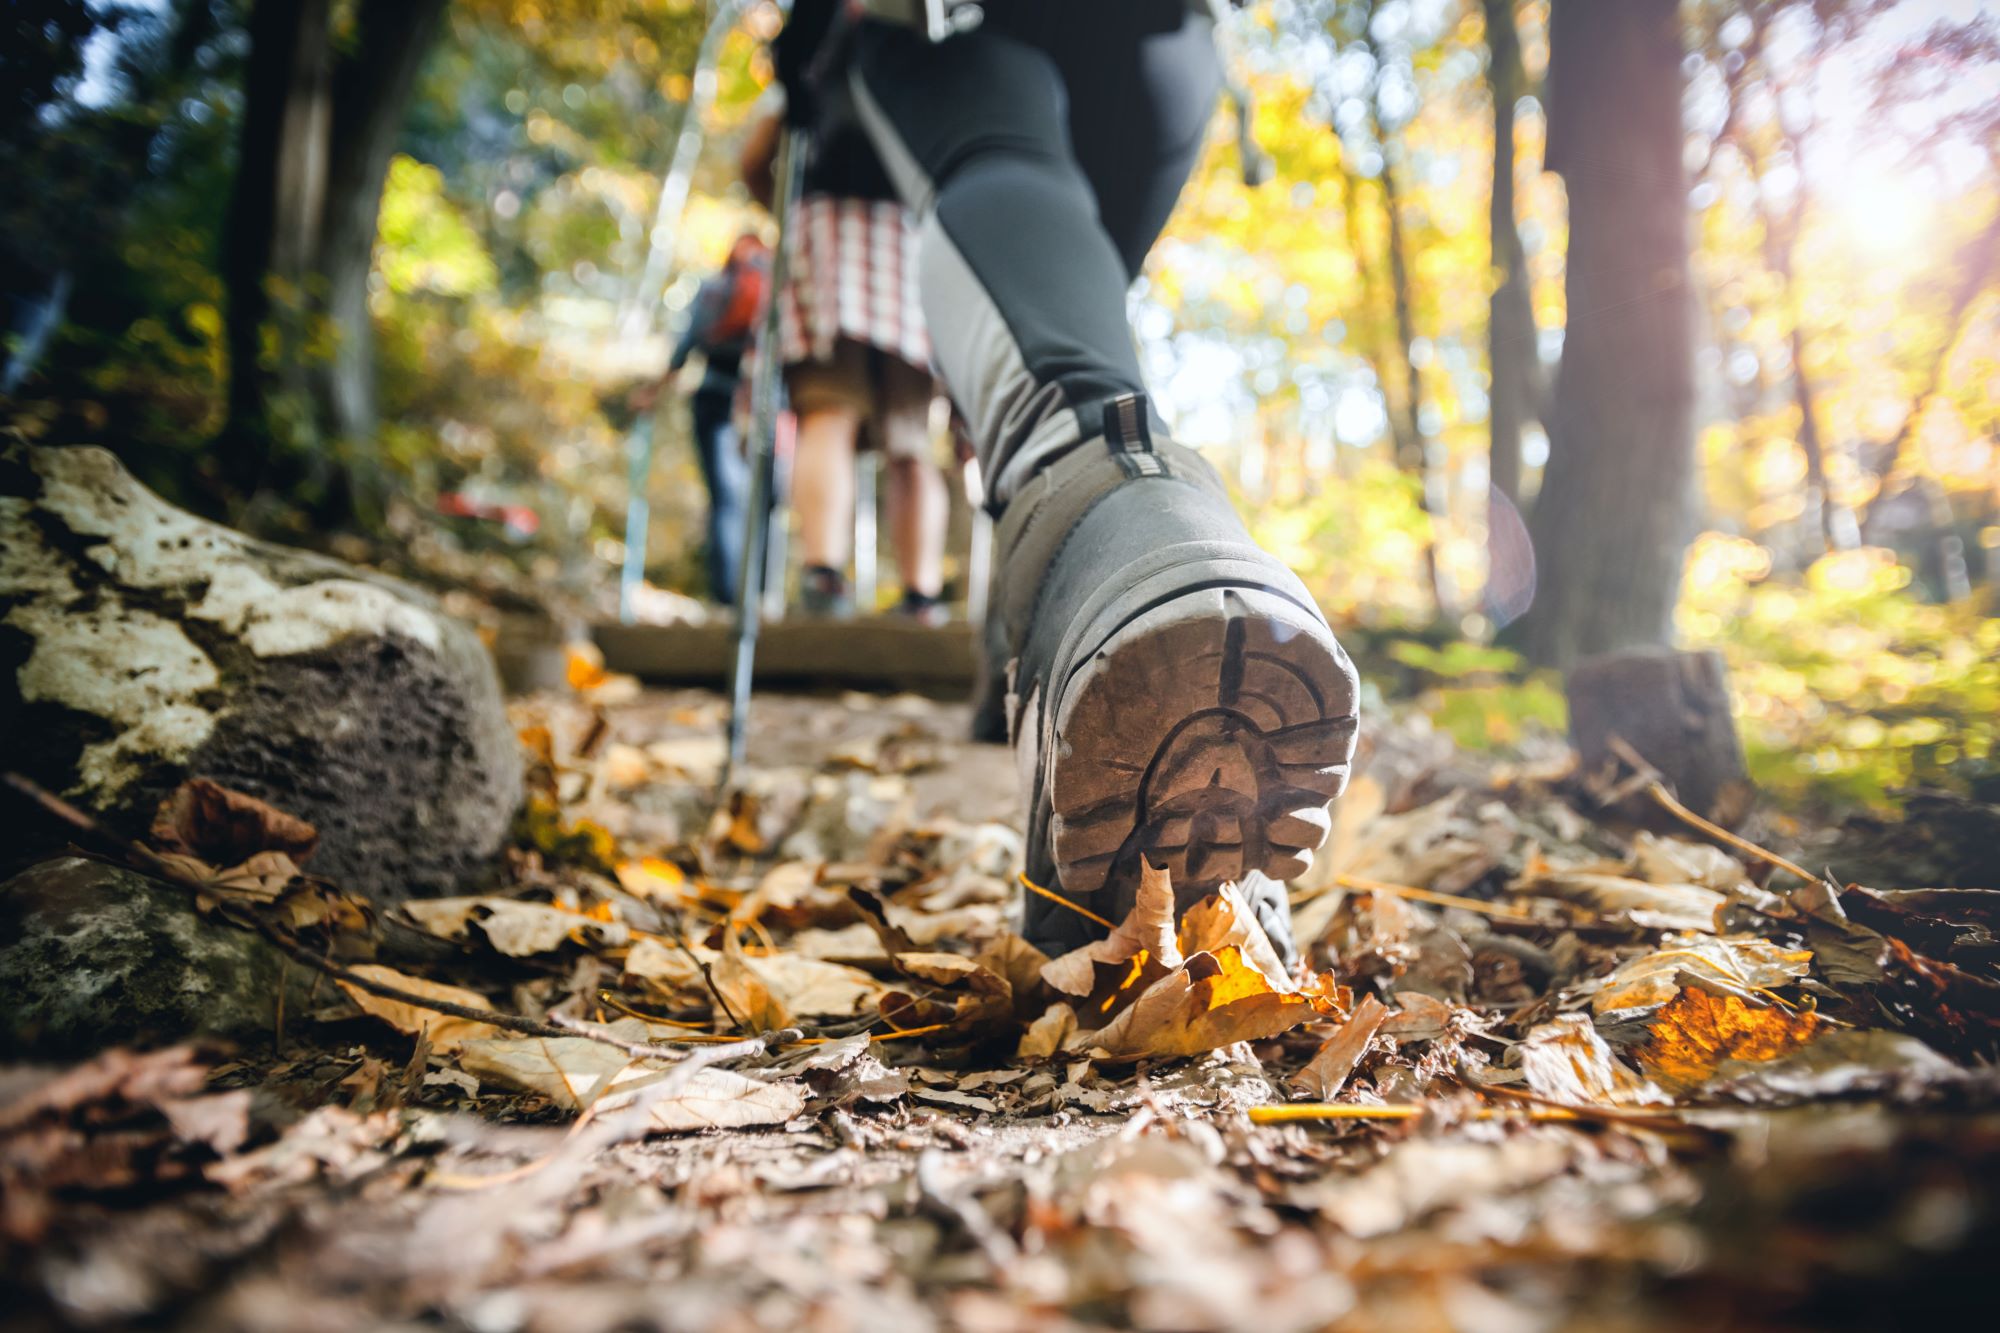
(339, 270)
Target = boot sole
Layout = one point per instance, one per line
(1207, 733)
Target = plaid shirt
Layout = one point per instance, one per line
(852, 274)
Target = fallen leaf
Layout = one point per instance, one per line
(1046, 1035)
(1211, 1000)
(1146, 935)
(1417, 1017)
(1566, 1061)
(446, 1032)
(513, 927)
(723, 1099)
(260, 879)
(1327, 1072)
(1743, 963)
(572, 1072)
(1697, 1030)
(745, 991)
(654, 879)
(1223, 920)
(811, 988)
(222, 826)
(1839, 1062)
(1645, 905)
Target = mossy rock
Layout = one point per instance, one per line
(94, 955)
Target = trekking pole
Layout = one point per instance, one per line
(765, 382)
(638, 515)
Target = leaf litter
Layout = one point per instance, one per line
(789, 1063)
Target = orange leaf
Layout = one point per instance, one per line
(1697, 1031)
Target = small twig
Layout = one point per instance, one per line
(1673, 807)
(1647, 778)
(1287, 1112)
(707, 974)
(1361, 885)
(1055, 897)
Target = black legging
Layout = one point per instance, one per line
(1042, 153)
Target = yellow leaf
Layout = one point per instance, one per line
(653, 879)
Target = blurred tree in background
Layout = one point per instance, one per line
(1623, 276)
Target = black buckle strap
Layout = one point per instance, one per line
(1128, 433)
(1128, 424)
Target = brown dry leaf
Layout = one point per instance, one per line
(808, 987)
(720, 1099)
(1142, 949)
(1210, 1001)
(1645, 905)
(1740, 963)
(1046, 1035)
(1418, 1017)
(1663, 860)
(1698, 1030)
(1020, 965)
(624, 767)
(205, 819)
(1224, 920)
(447, 1033)
(1566, 1061)
(260, 879)
(673, 967)
(572, 1072)
(1327, 1072)
(515, 928)
(748, 996)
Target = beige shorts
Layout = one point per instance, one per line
(891, 396)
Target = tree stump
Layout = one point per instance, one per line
(141, 645)
(1672, 708)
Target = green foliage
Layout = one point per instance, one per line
(423, 241)
(1848, 686)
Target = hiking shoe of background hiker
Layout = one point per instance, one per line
(823, 591)
(924, 609)
(1175, 692)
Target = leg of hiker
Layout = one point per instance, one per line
(1176, 693)
(917, 504)
(726, 473)
(823, 498)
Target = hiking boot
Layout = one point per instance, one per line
(1175, 692)
(823, 591)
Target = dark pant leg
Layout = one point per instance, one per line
(726, 473)
(1142, 81)
(1024, 283)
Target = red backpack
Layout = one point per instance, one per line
(749, 278)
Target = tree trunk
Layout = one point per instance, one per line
(1414, 453)
(1616, 511)
(274, 219)
(1510, 333)
(371, 93)
(317, 137)
(1672, 709)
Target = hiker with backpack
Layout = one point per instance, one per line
(721, 323)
